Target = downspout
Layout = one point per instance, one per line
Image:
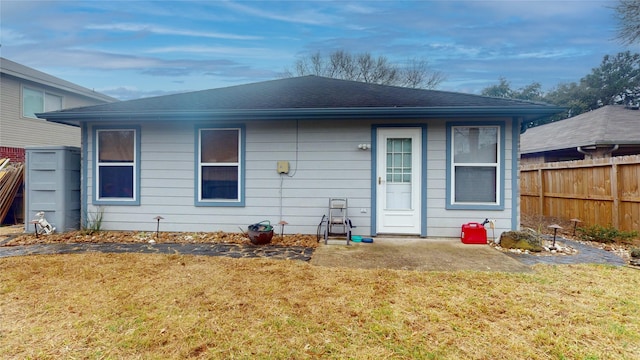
(579, 148)
(614, 148)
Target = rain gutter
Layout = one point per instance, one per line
(77, 117)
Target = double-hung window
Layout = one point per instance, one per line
(117, 166)
(474, 166)
(220, 166)
(37, 101)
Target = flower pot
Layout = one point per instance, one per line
(260, 233)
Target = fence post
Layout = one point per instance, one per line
(615, 213)
(540, 192)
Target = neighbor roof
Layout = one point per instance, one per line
(307, 97)
(12, 68)
(608, 125)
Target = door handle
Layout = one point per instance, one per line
(379, 180)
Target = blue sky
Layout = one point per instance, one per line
(132, 49)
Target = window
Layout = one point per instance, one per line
(219, 161)
(116, 159)
(37, 101)
(474, 169)
(399, 160)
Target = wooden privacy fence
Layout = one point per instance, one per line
(596, 191)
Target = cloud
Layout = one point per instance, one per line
(14, 38)
(199, 44)
(155, 29)
(357, 8)
(304, 14)
(226, 51)
(132, 92)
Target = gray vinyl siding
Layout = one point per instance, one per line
(327, 164)
(19, 131)
(447, 223)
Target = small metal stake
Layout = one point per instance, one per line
(555, 228)
(158, 226)
(575, 225)
(35, 226)
(282, 224)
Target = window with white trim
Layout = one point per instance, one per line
(475, 165)
(116, 165)
(37, 101)
(219, 166)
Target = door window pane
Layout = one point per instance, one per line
(399, 160)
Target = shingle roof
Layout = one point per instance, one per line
(608, 125)
(307, 93)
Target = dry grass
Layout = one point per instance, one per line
(136, 306)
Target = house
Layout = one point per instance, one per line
(409, 161)
(23, 93)
(612, 130)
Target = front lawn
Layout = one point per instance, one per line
(109, 306)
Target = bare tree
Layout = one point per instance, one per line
(417, 75)
(628, 15)
(366, 68)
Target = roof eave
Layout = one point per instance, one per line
(583, 145)
(62, 85)
(527, 113)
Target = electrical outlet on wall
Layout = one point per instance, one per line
(283, 167)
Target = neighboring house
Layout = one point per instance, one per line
(25, 92)
(612, 130)
(409, 161)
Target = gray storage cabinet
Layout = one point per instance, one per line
(52, 185)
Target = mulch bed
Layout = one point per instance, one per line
(151, 237)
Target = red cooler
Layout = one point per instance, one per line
(473, 233)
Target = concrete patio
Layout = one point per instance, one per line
(416, 254)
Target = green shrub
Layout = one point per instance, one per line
(635, 253)
(606, 234)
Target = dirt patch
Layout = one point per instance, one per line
(11, 230)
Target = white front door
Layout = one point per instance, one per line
(398, 180)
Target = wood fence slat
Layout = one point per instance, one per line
(540, 192)
(597, 191)
(615, 217)
(578, 196)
